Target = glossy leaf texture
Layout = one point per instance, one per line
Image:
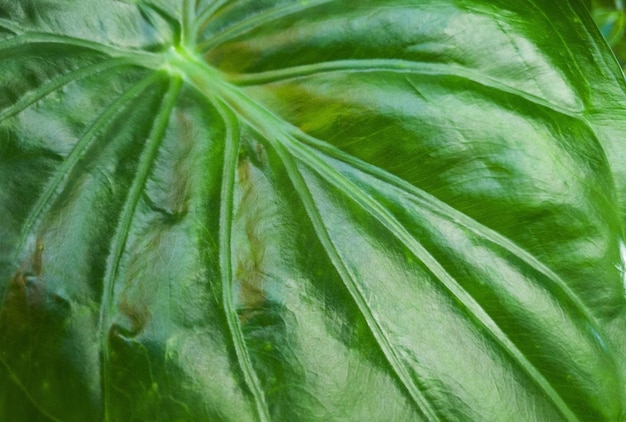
(310, 210)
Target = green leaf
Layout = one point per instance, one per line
(310, 210)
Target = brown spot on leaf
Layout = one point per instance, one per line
(136, 314)
(23, 302)
(249, 273)
(37, 257)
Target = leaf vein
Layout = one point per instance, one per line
(205, 16)
(151, 60)
(478, 314)
(52, 85)
(382, 340)
(438, 206)
(120, 236)
(53, 187)
(225, 259)
(392, 66)
(256, 21)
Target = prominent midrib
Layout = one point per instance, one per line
(211, 84)
(216, 87)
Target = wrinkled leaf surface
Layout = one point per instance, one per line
(310, 211)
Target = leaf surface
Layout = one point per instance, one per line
(310, 210)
